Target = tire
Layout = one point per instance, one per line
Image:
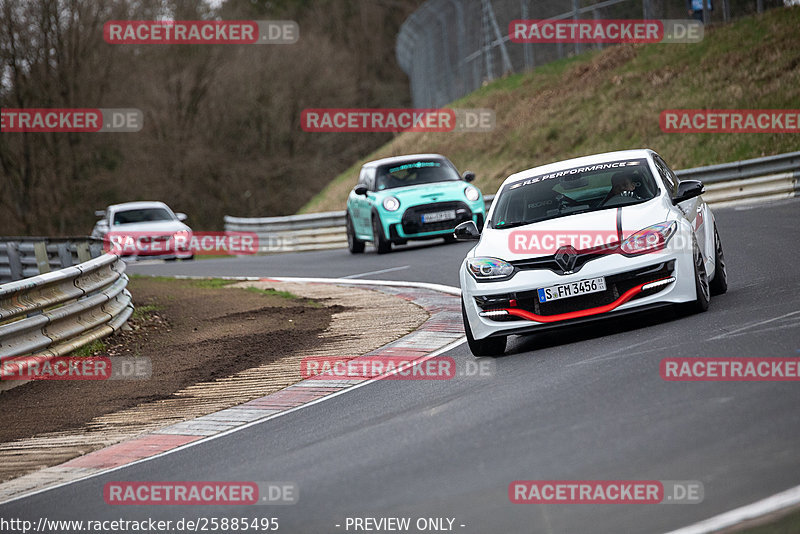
(719, 284)
(382, 245)
(491, 346)
(354, 245)
(702, 289)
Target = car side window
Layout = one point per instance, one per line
(667, 176)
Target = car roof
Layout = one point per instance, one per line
(577, 162)
(141, 204)
(403, 159)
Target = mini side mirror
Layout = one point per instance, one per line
(181, 216)
(468, 176)
(360, 189)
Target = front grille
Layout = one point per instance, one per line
(550, 263)
(616, 285)
(412, 218)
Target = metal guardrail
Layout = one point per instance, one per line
(767, 178)
(23, 257)
(749, 168)
(54, 313)
(294, 233)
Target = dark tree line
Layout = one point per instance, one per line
(221, 129)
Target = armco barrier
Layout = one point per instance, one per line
(23, 257)
(56, 312)
(769, 178)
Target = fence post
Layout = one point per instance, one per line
(64, 255)
(596, 16)
(42, 261)
(461, 30)
(82, 250)
(487, 41)
(14, 261)
(527, 50)
(575, 6)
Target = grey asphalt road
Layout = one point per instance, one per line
(423, 261)
(581, 404)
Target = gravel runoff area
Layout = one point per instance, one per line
(212, 346)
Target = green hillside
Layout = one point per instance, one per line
(611, 100)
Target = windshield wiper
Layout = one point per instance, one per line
(513, 225)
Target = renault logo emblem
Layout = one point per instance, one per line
(566, 258)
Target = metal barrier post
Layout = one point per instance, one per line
(42, 261)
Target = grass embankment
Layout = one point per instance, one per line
(611, 100)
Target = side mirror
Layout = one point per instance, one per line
(467, 231)
(688, 189)
(468, 176)
(181, 216)
(360, 189)
(100, 213)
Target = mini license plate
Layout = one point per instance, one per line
(438, 216)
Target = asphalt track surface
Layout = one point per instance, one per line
(583, 404)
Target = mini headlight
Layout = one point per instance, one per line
(472, 193)
(650, 239)
(391, 204)
(489, 268)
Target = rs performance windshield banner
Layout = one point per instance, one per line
(580, 170)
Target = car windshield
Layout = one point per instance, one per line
(414, 173)
(142, 215)
(576, 190)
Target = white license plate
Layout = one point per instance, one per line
(573, 289)
(438, 216)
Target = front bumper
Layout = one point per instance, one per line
(633, 283)
(408, 225)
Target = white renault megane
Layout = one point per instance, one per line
(587, 238)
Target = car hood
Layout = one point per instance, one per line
(156, 227)
(438, 191)
(544, 238)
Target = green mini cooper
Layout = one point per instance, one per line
(420, 196)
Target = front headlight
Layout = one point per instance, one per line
(483, 269)
(391, 204)
(472, 193)
(650, 239)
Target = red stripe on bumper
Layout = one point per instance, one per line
(625, 297)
